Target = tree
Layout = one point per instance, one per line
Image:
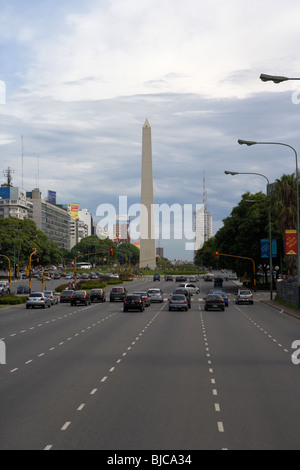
(284, 207)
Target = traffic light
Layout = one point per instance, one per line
(217, 255)
(111, 252)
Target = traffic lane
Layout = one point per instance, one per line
(37, 395)
(158, 395)
(39, 337)
(256, 382)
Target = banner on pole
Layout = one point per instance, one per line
(291, 242)
(265, 248)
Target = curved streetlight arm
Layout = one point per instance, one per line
(275, 78)
(233, 173)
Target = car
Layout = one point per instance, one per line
(38, 299)
(117, 293)
(168, 277)
(80, 297)
(66, 295)
(155, 295)
(133, 302)
(23, 289)
(4, 287)
(56, 276)
(223, 294)
(178, 302)
(156, 277)
(191, 287)
(69, 276)
(214, 302)
(145, 298)
(52, 296)
(180, 279)
(218, 281)
(186, 293)
(244, 296)
(208, 277)
(98, 295)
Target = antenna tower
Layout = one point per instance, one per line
(204, 192)
(8, 175)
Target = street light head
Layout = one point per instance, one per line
(232, 173)
(246, 142)
(273, 78)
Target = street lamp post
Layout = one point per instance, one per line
(250, 143)
(233, 173)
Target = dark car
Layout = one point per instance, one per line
(168, 277)
(145, 298)
(117, 293)
(80, 297)
(134, 302)
(186, 292)
(98, 295)
(223, 294)
(23, 289)
(156, 277)
(65, 296)
(218, 281)
(214, 302)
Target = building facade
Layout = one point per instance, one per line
(13, 203)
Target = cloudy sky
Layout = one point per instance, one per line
(82, 76)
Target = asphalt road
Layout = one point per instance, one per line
(98, 378)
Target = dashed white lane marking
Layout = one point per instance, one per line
(65, 426)
(104, 379)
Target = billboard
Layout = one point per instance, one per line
(52, 197)
(74, 211)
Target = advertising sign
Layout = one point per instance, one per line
(291, 242)
(52, 197)
(265, 248)
(74, 211)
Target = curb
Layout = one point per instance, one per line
(282, 309)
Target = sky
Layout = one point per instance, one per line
(78, 79)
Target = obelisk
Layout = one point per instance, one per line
(147, 225)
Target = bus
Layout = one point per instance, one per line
(84, 265)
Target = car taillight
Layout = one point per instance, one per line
(185, 301)
(42, 298)
(140, 302)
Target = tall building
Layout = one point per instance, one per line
(147, 225)
(51, 219)
(202, 227)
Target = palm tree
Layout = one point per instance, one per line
(284, 208)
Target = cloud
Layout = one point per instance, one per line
(82, 77)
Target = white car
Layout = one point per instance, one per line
(52, 296)
(155, 295)
(191, 288)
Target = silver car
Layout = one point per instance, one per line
(52, 296)
(191, 288)
(178, 302)
(244, 296)
(38, 299)
(155, 295)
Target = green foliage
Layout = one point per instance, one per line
(19, 237)
(12, 300)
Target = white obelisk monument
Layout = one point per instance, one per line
(147, 226)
